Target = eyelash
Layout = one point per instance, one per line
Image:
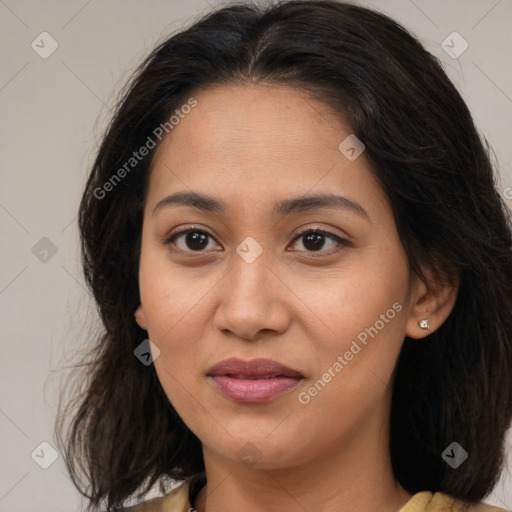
(305, 231)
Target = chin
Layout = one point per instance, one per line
(259, 452)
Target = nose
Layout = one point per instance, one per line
(252, 300)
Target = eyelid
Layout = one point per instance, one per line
(340, 240)
(180, 232)
(177, 232)
(318, 228)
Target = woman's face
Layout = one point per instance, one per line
(246, 284)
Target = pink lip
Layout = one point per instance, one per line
(256, 381)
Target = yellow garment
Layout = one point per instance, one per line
(179, 500)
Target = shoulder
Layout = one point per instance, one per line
(427, 501)
(444, 502)
(175, 501)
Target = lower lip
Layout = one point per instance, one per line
(253, 390)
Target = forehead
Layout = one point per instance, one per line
(258, 141)
(239, 121)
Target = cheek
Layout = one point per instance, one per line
(175, 327)
(175, 322)
(363, 320)
(170, 308)
(365, 294)
(170, 296)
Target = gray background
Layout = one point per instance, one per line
(53, 112)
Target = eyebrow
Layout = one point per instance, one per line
(300, 204)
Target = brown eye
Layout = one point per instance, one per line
(191, 240)
(314, 240)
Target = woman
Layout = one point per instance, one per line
(303, 268)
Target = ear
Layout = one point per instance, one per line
(435, 302)
(140, 317)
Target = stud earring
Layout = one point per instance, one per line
(424, 324)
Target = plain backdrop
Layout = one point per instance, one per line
(52, 114)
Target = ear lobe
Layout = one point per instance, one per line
(434, 302)
(140, 317)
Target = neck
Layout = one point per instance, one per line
(357, 476)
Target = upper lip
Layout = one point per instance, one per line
(252, 368)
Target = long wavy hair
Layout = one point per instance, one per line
(119, 432)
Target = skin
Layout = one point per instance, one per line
(250, 146)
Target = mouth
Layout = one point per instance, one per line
(256, 381)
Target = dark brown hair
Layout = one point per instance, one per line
(422, 146)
